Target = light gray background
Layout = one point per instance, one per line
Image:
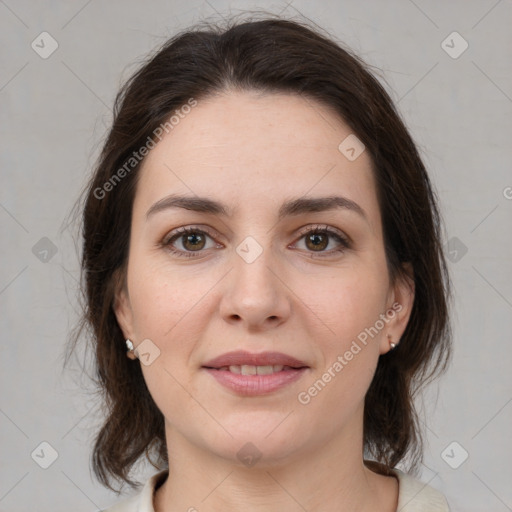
(54, 113)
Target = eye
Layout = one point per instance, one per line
(186, 241)
(318, 238)
(191, 241)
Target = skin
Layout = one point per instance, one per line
(252, 152)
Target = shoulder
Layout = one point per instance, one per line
(143, 501)
(416, 496)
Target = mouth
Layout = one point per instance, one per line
(249, 374)
(253, 363)
(246, 369)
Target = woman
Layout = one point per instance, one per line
(262, 241)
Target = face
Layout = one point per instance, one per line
(254, 258)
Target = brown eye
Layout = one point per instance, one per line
(189, 242)
(193, 241)
(322, 241)
(317, 241)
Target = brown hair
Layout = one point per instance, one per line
(269, 55)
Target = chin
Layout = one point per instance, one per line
(260, 439)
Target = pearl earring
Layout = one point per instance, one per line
(130, 352)
(391, 344)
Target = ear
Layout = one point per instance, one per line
(399, 308)
(123, 310)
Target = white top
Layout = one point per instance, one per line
(413, 496)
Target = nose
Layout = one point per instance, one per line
(255, 296)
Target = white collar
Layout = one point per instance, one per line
(413, 496)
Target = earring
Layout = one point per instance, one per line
(130, 352)
(391, 344)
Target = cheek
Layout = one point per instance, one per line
(350, 301)
(169, 309)
(350, 306)
(163, 297)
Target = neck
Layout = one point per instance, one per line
(328, 478)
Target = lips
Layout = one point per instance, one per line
(247, 374)
(244, 362)
(246, 369)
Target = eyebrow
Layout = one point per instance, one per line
(291, 207)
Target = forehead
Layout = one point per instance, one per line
(239, 121)
(256, 148)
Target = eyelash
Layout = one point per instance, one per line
(318, 229)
